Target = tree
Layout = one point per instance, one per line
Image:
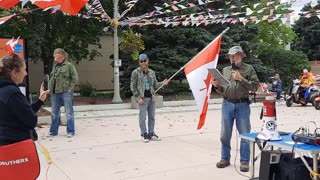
(168, 50)
(273, 35)
(131, 44)
(308, 34)
(289, 64)
(172, 47)
(45, 31)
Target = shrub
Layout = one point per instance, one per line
(87, 90)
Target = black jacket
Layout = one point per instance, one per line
(17, 115)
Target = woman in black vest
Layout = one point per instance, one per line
(17, 116)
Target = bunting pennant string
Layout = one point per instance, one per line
(203, 18)
(255, 13)
(175, 6)
(130, 5)
(232, 8)
(6, 18)
(95, 10)
(208, 15)
(178, 6)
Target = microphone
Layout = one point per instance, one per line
(233, 66)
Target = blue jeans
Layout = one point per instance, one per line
(279, 91)
(57, 100)
(306, 94)
(240, 112)
(147, 108)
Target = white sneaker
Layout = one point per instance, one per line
(145, 138)
(70, 135)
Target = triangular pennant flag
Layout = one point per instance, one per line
(166, 4)
(234, 21)
(271, 12)
(255, 5)
(269, 3)
(191, 4)
(284, 20)
(182, 7)
(72, 7)
(167, 24)
(158, 8)
(245, 21)
(24, 2)
(233, 7)
(265, 17)
(175, 8)
(210, 16)
(7, 4)
(6, 18)
(249, 11)
(200, 2)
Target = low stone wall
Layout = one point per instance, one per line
(158, 102)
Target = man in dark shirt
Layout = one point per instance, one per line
(276, 85)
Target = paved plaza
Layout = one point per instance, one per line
(107, 145)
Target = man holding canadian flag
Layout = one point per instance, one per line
(235, 106)
(236, 103)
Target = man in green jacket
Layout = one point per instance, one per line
(143, 84)
(63, 78)
(235, 105)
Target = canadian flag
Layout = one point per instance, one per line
(10, 45)
(199, 77)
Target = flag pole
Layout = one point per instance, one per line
(224, 31)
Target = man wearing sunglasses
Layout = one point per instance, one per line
(143, 84)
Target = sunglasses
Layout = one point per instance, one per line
(143, 61)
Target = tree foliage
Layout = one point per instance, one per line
(170, 48)
(289, 64)
(308, 34)
(273, 35)
(131, 44)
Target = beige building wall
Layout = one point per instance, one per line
(99, 72)
(315, 67)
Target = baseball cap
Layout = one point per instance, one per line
(143, 57)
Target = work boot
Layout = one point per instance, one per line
(244, 167)
(223, 163)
